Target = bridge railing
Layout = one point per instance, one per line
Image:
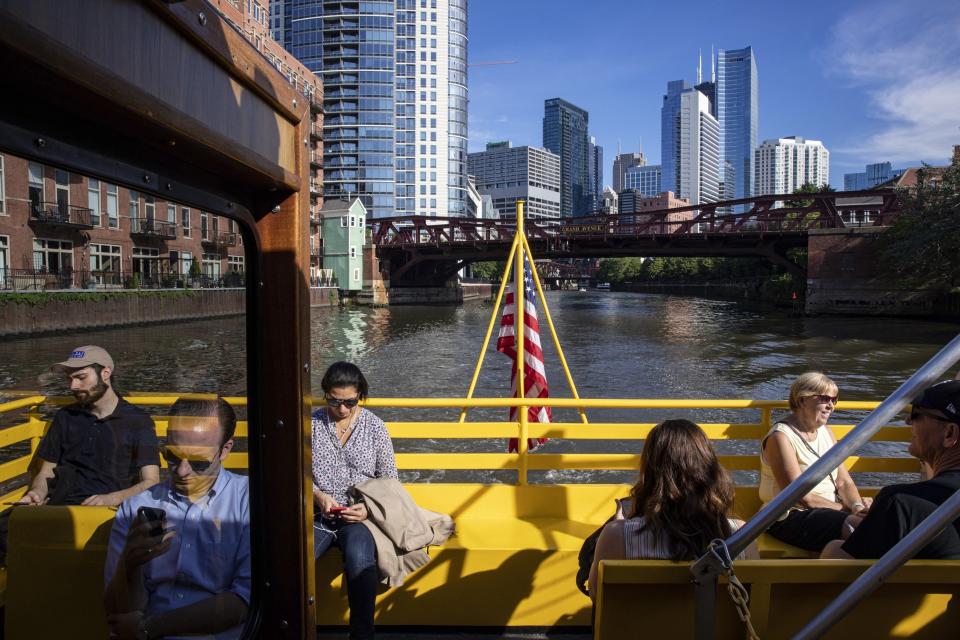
(28, 418)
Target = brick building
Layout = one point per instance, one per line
(64, 230)
(633, 201)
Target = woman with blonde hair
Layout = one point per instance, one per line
(834, 507)
(682, 501)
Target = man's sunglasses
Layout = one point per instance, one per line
(916, 413)
(349, 403)
(199, 466)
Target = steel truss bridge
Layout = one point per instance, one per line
(421, 251)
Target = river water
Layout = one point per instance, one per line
(618, 345)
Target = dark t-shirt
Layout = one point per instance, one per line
(96, 456)
(898, 509)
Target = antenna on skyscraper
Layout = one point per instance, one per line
(619, 150)
(641, 145)
(699, 66)
(713, 65)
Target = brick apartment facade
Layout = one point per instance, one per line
(64, 230)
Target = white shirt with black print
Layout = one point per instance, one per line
(367, 454)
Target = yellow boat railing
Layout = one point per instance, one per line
(33, 426)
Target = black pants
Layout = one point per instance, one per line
(809, 529)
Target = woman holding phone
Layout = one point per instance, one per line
(350, 445)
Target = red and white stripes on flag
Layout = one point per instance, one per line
(534, 374)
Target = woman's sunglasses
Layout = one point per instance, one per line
(824, 399)
(349, 403)
(174, 460)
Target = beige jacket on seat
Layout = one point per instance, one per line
(401, 529)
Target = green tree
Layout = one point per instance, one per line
(922, 246)
(487, 270)
(619, 270)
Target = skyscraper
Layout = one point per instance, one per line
(645, 179)
(507, 174)
(395, 101)
(621, 164)
(565, 134)
(690, 145)
(783, 165)
(737, 110)
(875, 174)
(595, 176)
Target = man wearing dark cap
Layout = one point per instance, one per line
(935, 439)
(99, 451)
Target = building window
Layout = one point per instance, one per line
(4, 260)
(146, 263)
(353, 252)
(204, 232)
(52, 256)
(149, 207)
(35, 173)
(93, 201)
(185, 221)
(134, 205)
(343, 221)
(235, 264)
(3, 208)
(211, 266)
(105, 264)
(356, 274)
(172, 213)
(62, 179)
(113, 207)
(186, 261)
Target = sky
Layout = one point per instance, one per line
(874, 81)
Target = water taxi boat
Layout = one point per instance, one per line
(153, 79)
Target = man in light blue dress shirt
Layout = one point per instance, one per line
(188, 574)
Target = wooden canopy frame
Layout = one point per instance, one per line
(169, 99)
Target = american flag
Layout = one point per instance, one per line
(534, 375)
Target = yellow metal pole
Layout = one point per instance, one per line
(553, 331)
(519, 321)
(36, 426)
(765, 417)
(493, 320)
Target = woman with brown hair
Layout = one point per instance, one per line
(682, 500)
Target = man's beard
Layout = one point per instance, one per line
(87, 398)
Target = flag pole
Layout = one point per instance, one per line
(553, 331)
(519, 322)
(493, 319)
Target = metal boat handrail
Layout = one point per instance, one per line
(708, 567)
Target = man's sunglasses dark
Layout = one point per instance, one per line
(349, 403)
(174, 460)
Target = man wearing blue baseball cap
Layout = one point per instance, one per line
(935, 440)
(100, 450)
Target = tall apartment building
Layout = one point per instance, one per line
(645, 179)
(690, 145)
(874, 174)
(253, 19)
(395, 74)
(595, 175)
(783, 165)
(737, 111)
(565, 133)
(621, 164)
(507, 174)
(633, 202)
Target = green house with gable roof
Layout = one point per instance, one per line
(344, 233)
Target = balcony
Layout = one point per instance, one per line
(316, 159)
(315, 188)
(220, 241)
(152, 228)
(316, 131)
(54, 214)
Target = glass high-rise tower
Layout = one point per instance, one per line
(565, 134)
(395, 98)
(738, 112)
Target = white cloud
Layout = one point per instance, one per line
(904, 56)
